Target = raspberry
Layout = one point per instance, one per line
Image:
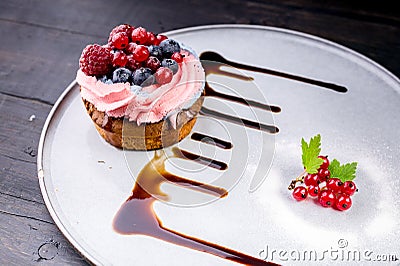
(119, 40)
(95, 60)
(121, 28)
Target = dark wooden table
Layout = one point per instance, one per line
(40, 44)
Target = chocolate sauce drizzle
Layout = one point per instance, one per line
(136, 216)
(213, 56)
(211, 140)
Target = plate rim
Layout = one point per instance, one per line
(41, 175)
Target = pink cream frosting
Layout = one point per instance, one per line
(148, 104)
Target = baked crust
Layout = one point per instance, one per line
(121, 133)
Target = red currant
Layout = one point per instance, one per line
(311, 179)
(163, 75)
(120, 40)
(334, 184)
(177, 57)
(153, 63)
(159, 39)
(141, 53)
(326, 198)
(130, 48)
(313, 190)
(325, 163)
(119, 59)
(343, 202)
(323, 174)
(151, 38)
(139, 35)
(349, 188)
(132, 64)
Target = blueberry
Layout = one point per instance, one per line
(121, 75)
(171, 64)
(155, 51)
(168, 47)
(143, 77)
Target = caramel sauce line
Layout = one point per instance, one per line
(213, 56)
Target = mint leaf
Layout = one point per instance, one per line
(311, 150)
(346, 172)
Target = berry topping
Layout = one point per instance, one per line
(325, 162)
(327, 198)
(151, 38)
(169, 46)
(323, 174)
(119, 40)
(139, 35)
(130, 48)
(119, 59)
(95, 60)
(143, 77)
(300, 193)
(313, 191)
(155, 51)
(141, 53)
(132, 64)
(163, 75)
(349, 188)
(153, 63)
(159, 39)
(122, 75)
(311, 179)
(343, 202)
(334, 184)
(126, 28)
(171, 64)
(177, 57)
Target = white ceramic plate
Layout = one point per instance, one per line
(84, 180)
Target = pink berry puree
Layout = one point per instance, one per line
(148, 104)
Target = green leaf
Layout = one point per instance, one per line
(344, 172)
(311, 151)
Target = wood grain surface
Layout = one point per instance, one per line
(40, 44)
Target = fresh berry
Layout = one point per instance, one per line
(151, 38)
(163, 75)
(311, 179)
(168, 47)
(343, 202)
(126, 28)
(139, 35)
(171, 64)
(155, 51)
(105, 79)
(177, 57)
(349, 188)
(119, 59)
(300, 193)
(313, 190)
(153, 63)
(159, 39)
(119, 40)
(122, 75)
(95, 60)
(334, 184)
(132, 64)
(130, 48)
(325, 163)
(323, 174)
(141, 53)
(326, 198)
(143, 77)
